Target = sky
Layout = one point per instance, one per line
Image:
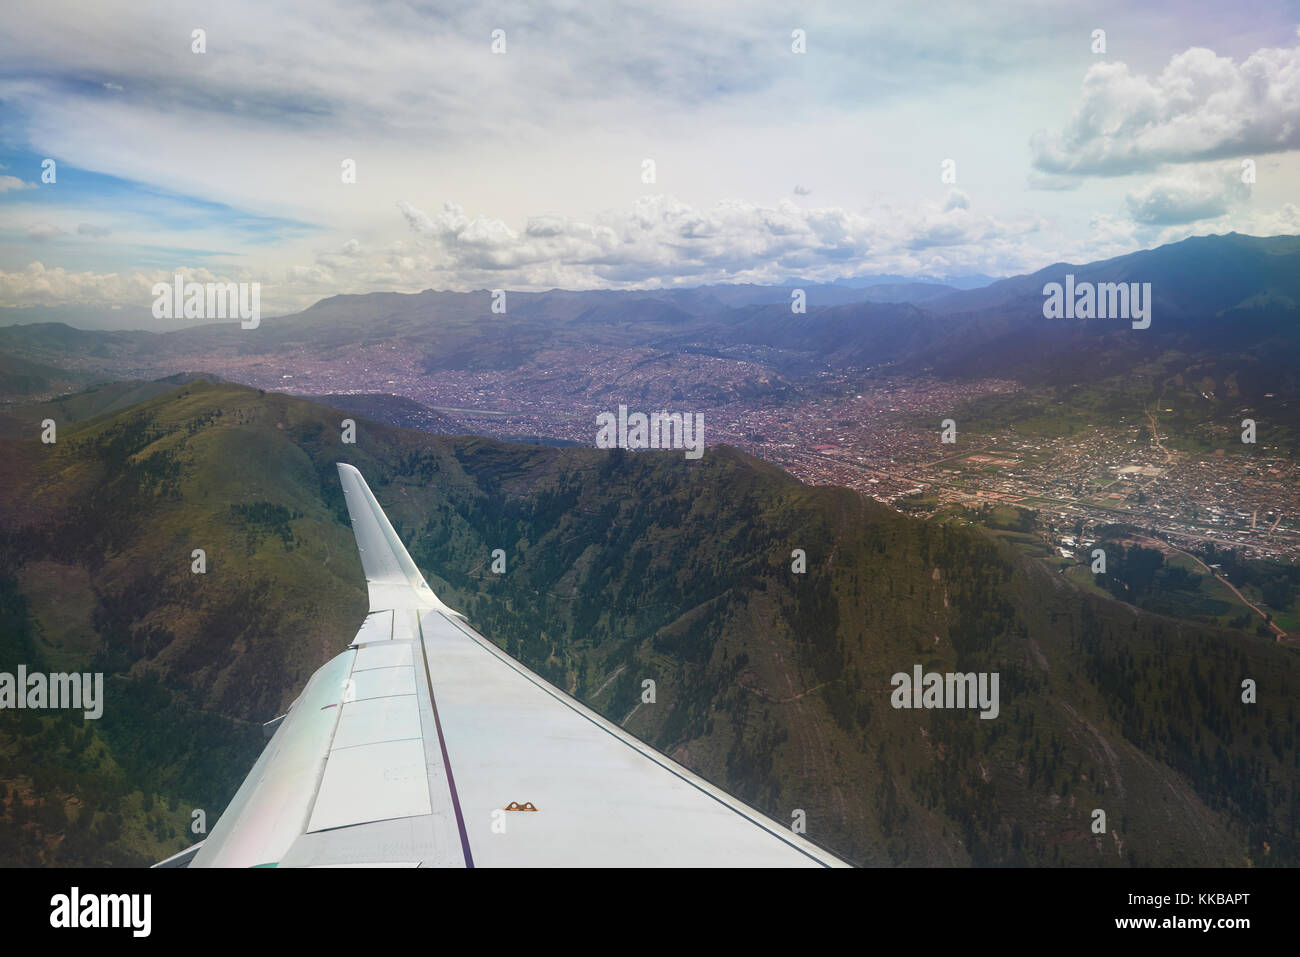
(525, 166)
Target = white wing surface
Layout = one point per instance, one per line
(425, 745)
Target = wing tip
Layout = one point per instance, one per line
(366, 513)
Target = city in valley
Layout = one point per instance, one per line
(860, 428)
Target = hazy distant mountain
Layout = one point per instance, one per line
(1200, 277)
(1224, 306)
(907, 292)
(818, 294)
(21, 379)
(93, 317)
(857, 334)
(972, 281)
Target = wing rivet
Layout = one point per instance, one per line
(516, 806)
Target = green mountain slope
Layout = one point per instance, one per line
(24, 381)
(620, 568)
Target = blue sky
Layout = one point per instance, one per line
(524, 169)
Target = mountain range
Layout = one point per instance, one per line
(1224, 319)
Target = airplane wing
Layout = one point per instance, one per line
(425, 745)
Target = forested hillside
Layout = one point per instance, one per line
(618, 568)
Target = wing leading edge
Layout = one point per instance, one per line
(409, 748)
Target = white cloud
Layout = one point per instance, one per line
(43, 232)
(542, 146)
(956, 200)
(1201, 106)
(662, 239)
(1282, 221)
(38, 286)
(1188, 194)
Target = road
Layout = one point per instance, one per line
(1281, 635)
